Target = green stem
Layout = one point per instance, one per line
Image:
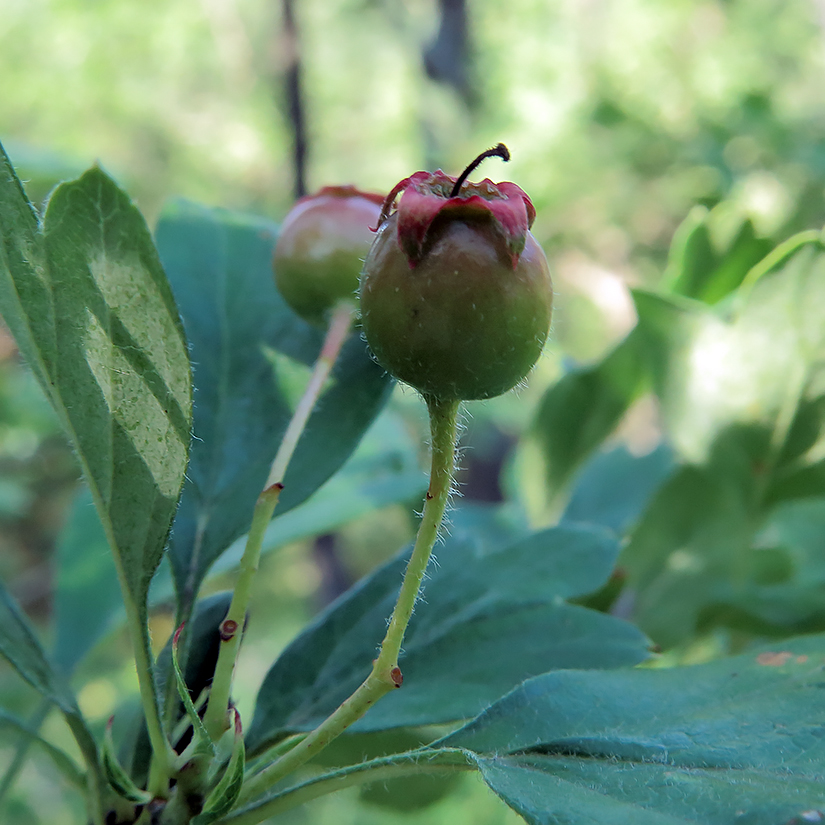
(339, 328)
(216, 718)
(385, 675)
(161, 764)
(377, 770)
(270, 754)
(444, 435)
(96, 786)
(138, 629)
(776, 257)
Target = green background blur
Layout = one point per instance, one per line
(621, 116)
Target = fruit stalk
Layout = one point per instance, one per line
(216, 718)
(385, 675)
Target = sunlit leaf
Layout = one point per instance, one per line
(584, 407)
(742, 397)
(90, 307)
(709, 271)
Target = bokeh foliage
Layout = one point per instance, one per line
(623, 118)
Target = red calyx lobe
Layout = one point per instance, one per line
(425, 197)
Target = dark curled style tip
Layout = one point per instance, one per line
(228, 629)
(498, 151)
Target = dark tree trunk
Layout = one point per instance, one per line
(294, 97)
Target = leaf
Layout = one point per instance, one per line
(21, 648)
(743, 399)
(90, 307)
(225, 794)
(21, 749)
(61, 759)
(692, 542)
(490, 617)
(219, 267)
(25, 292)
(706, 270)
(707, 552)
(744, 252)
(117, 778)
(199, 731)
(756, 364)
(423, 762)
(691, 257)
(793, 597)
(87, 597)
(613, 488)
(123, 371)
(578, 412)
(736, 740)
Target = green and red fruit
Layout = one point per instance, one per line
(321, 248)
(456, 296)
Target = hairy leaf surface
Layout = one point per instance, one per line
(491, 615)
(737, 740)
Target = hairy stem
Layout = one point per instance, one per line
(216, 718)
(377, 770)
(339, 328)
(444, 435)
(385, 676)
(160, 767)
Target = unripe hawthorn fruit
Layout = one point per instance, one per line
(321, 248)
(456, 296)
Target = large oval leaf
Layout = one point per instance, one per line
(91, 310)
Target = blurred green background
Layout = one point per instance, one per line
(621, 116)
